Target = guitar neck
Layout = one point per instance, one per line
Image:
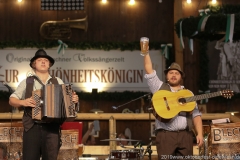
(203, 96)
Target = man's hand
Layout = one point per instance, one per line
(199, 139)
(29, 102)
(75, 97)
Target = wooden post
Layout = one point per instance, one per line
(112, 132)
(178, 14)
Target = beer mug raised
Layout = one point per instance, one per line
(144, 41)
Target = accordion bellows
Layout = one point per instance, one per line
(54, 104)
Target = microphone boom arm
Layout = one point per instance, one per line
(130, 101)
(10, 90)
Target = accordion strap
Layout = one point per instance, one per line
(30, 81)
(53, 80)
(29, 86)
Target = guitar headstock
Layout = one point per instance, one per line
(227, 93)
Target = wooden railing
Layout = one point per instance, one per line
(120, 116)
(112, 118)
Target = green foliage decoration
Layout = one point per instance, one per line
(79, 45)
(215, 26)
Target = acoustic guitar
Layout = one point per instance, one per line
(168, 104)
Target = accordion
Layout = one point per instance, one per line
(54, 104)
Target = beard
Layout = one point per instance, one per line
(175, 83)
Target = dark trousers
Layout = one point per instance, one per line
(174, 145)
(41, 139)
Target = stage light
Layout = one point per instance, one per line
(132, 2)
(189, 1)
(214, 1)
(104, 1)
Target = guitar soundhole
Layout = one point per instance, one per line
(182, 100)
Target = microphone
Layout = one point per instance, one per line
(149, 145)
(8, 87)
(114, 107)
(150, 109)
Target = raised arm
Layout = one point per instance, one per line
(148, 64)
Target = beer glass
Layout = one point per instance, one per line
(80, 150)
(144, 41)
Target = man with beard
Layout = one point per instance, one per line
(174, 137)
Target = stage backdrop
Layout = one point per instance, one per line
(109, 71)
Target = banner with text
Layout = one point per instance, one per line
(109, 71)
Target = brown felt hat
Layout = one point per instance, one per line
(41, 54)
(174, 66)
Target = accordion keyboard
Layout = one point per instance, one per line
(69, 105)
(37, 110)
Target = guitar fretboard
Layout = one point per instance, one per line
(203, 96)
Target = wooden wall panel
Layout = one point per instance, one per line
(114, 21)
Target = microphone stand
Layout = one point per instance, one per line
(114, 107)
(148, 149)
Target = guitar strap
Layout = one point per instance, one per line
(188, 115)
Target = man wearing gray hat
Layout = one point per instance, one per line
(174, 138)
(40, 139)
